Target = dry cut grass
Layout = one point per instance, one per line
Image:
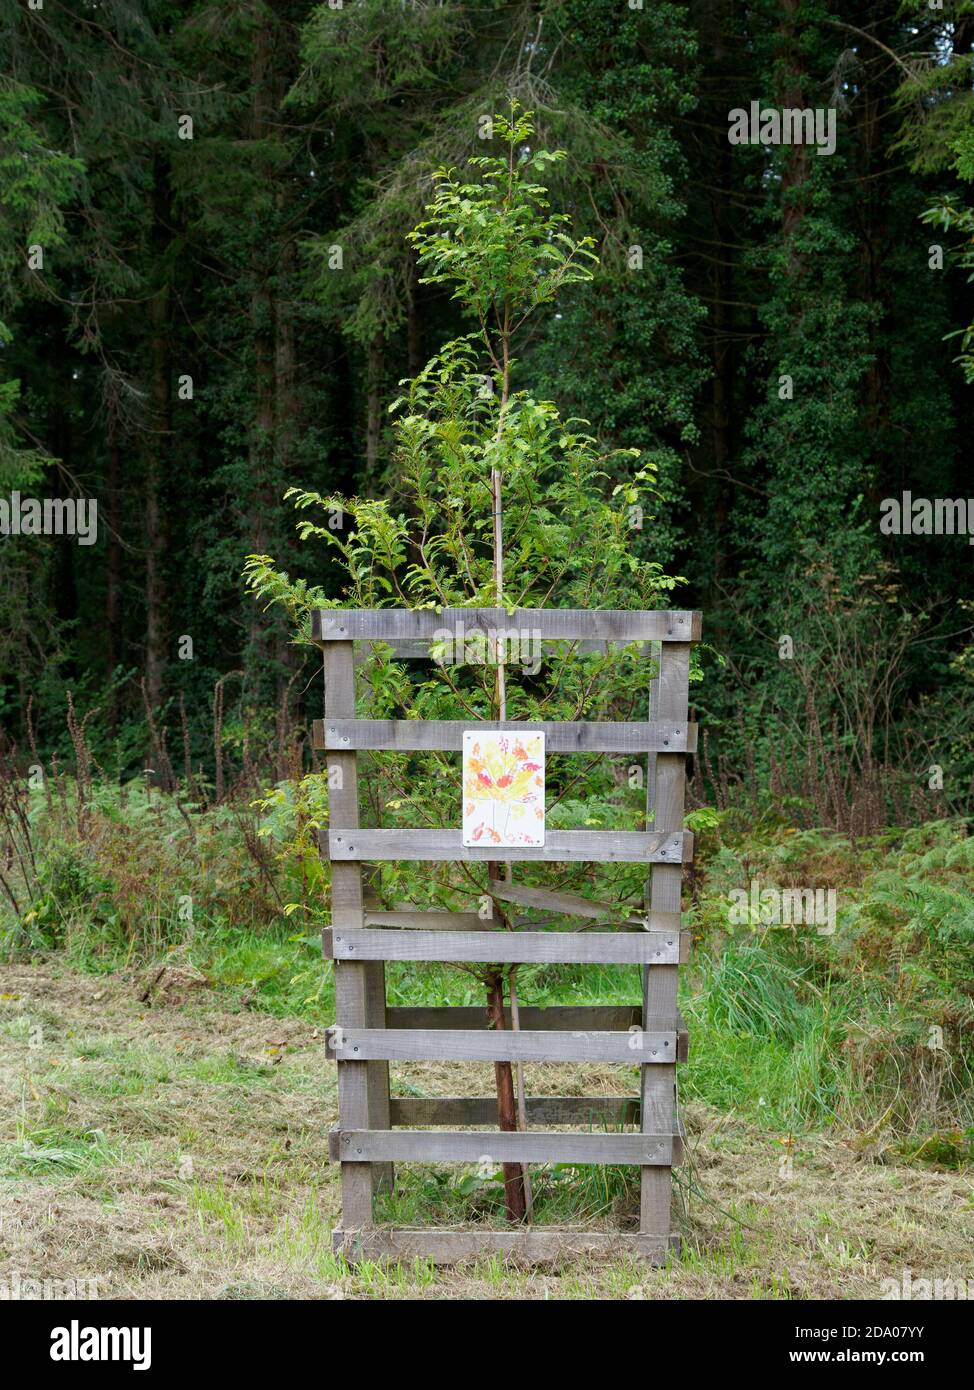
(165, 1147)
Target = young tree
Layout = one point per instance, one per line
(501, 503)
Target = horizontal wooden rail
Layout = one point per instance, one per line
(481, 1111)
(508, 948)
(430, 921)
(574, 846)
(420, 649)
(573, 1018)
(524, 624)
(529, 1246)
(499, 1146)
(636, 1048)
(566, 904)
(607, 1018)
(412, 735)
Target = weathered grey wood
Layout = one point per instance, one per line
(531, 1246)
(430, 921)
(606, 1018)
(576, 846)
(570, 904)
(363, 1091)
(499, 1146)
(420, 1034)
(419, 649)
(666, 798)
(507, 948)
(409, 735)
(481, 1111)
(637, 1047)
(544, 624)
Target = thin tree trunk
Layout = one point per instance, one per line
(373, 424)
(263, 496)
(287, 416)
(506, 1112)
(794, 177)
(502, 1070)
(414, 322)
(158, 446)
(723, 326)
(522, 1102)
(113, 590)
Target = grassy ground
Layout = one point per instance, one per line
(168, 1136)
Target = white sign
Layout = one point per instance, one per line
(503, 788)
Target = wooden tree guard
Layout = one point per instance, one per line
(376, 1130)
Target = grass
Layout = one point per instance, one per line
(185, 1091)
(181, 1170)
(50, 1151)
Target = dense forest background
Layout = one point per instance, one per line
(226, 301)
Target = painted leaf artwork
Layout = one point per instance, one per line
(503, 788)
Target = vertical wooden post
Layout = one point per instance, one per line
(363, 1089)
(665, 789)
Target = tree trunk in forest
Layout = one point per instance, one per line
(877, 95)
(721, 389)
(262, 315)
(60, 435)
(795, 170)
(157, 444)
(113, 586)
(286, 405)
(414, 322)
(262, 496)
(373, 426)
(287, 423)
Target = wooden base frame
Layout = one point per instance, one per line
(377, 1130)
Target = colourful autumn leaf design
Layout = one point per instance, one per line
(503, 783)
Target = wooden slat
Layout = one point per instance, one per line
(363, 1091)
(567, 904)
(665, 798)
(410, 735)
(430, 921)
(531, 1246)
(499, 1146)
(545, 624)
(576, 846)
(494, 1045)
(606, 1018)
(508, 948)
(454, 1111)
(418, 649)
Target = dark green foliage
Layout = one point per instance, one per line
(764, 325)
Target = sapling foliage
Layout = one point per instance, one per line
(494, 500)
